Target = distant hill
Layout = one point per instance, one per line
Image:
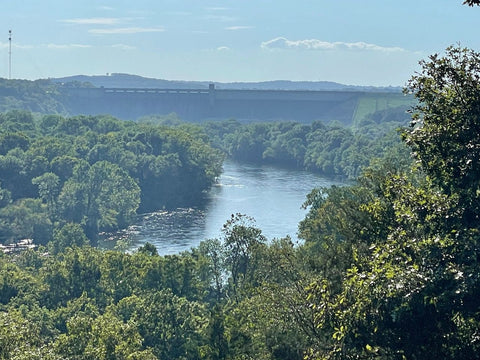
(130, 81)
(118, 80)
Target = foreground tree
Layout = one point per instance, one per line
(413, 292)
(445, 129)
(242, 240)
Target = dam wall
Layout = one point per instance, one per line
(196, 105)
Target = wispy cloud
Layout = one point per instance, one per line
(93, 21)
(220, 18)
(126, 30)
(107, 8)
(315, 44)
(53, 46)
(239, 27)
(223, 48)
(67, 46)
(179, 13)
(15, 46)
(123, 47)
(218, 8)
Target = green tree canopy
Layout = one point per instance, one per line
(445, 130)
(410, 288)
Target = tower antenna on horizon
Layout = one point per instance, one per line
(9, 54)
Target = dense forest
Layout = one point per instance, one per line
(96, 172)
(389, 267)
(329, 149)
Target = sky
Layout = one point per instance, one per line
(354, 42)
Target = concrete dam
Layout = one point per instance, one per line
(196, 105)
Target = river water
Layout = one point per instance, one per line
(272, 196)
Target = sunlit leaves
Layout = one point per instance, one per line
(411, 289)
(444, 133)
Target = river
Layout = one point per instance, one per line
(272, 196)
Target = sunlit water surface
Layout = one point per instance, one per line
(272, 196)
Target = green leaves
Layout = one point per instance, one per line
(242, 240)
(97, 171)
(102, 197)
(444, 133)
(407, 288)
(330, 149)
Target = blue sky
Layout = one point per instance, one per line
(358, 42)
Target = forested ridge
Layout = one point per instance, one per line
(328, 149)
(40, 96)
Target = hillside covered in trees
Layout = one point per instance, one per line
(96, 172)
(329, 149)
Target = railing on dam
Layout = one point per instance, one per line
(244, 94)
(154, 91)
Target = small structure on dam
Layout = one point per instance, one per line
(196, 105)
